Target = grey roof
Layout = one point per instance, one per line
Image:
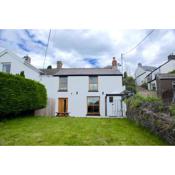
(50, 71)
(148, 68)
(87, 71)
(166, 76)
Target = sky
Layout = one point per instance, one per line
(90, 48)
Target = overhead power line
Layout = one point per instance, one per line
(137, 45)
(46, 48)
(130, 50)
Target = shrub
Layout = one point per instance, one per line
(129, 82)
(144, 85)
(137, 100)
(22, 74)
(172, 109)
(18, 94)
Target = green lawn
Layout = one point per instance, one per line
(74, 131)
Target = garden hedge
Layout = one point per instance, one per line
(18, 94)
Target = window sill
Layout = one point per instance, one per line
(62, 90)
(91, 114)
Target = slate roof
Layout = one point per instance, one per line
(87, 71)
(49, 71)
(166, 76)
(148, 68)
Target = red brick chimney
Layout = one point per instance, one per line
(114, 63)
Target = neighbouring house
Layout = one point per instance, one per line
(74, 91)
(166, 67)
(166, 87)
(141, 72)
(11, 63)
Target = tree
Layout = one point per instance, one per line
(49, 67)
(125, 75)
(129, 82)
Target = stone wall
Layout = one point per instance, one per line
(161, 124)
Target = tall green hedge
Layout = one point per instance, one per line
(18, 94)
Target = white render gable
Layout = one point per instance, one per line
(18, 64)
(141, 73)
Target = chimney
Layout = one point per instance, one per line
(59, 64)
(139, 65)
(27, 59)
(171, 57)
(114, 63)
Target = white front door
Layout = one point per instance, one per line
(114, 106)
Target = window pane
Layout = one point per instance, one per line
(93, 104)
(63, 83)
(93, 80)
(93, 87)
(6, 67)
(111, 99)
(93, 83)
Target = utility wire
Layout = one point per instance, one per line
(139, 42)
(46, 48)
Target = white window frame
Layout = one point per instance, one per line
(60, 86)
(6, 63)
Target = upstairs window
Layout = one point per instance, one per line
(6, 67)
(63, 84)
(93, 83)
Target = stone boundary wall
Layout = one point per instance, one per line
(160, 124)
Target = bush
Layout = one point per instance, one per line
(138, 100)
(18, 94)
(144, 85)
(129, 82)
(172, 109)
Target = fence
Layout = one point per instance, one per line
(49, 110)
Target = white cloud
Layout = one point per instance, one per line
(74, 46)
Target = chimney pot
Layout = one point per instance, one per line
(139, 64)
(114, 63)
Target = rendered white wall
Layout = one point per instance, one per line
(77, 103)
(140, 79)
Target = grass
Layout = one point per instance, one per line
(74, 131)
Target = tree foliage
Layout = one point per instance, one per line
(129, 82)
(49, 67)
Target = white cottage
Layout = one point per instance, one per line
(166, 67)
(74, 91)
(86, 91)
(141, 72)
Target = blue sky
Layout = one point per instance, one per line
(90, 48)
